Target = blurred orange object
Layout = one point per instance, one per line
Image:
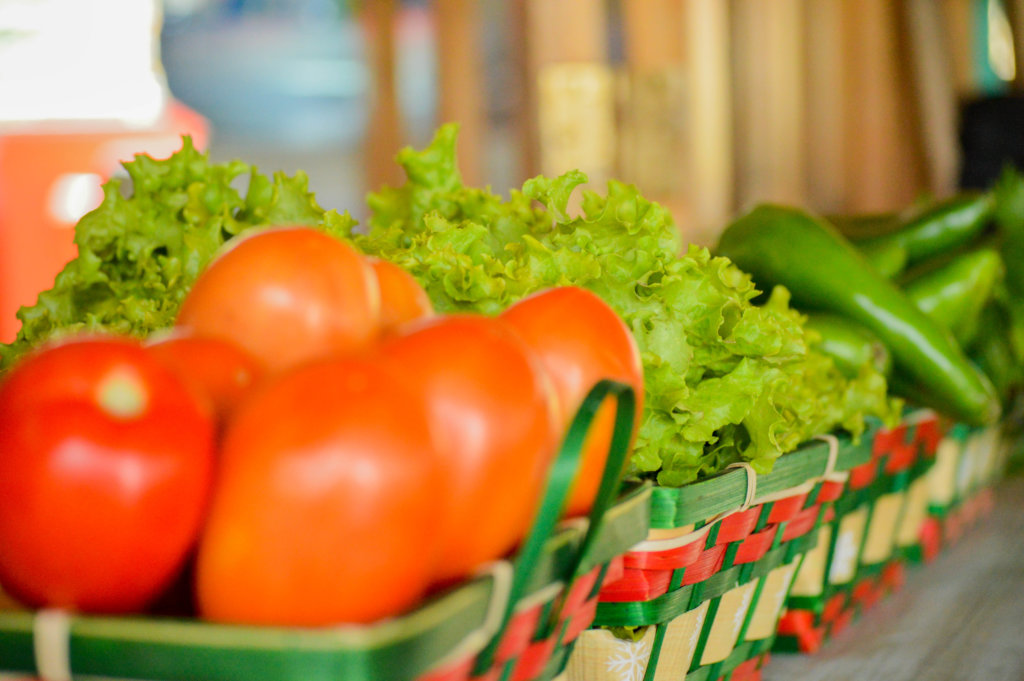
(49, 177)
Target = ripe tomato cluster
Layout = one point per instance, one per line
(310, 444)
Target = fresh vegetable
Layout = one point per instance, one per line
(325, 508)
(826, 272)
(106, 464)
(221, 371)
(889, 258)
(493, 414)
(580, 341)
(955, 293)
(849, 344)
(402, 299)
(715, 365)
(1009, 217)
(286, 296)
(139, 254)
(940, 228)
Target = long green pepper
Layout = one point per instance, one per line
(785, 246)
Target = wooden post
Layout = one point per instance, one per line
(460, 71)
(883, 150)
(653, 102)
(825, 106)
(769, 97)
(572, 87)
(384, 136)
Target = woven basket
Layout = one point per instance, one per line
(859, 556)
(967, 464)
(516, 620)
(705, 589)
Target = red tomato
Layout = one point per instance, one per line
(491, 409)
(106, 463)
(580, 340)
(286, 296)
(402, 299)
(325, 506)
(220, 370)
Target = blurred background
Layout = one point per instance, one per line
(707, 105)
(842, 106)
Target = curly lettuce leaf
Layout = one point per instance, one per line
(725, 380)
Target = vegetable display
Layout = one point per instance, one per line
(826, 272)
(726, 380)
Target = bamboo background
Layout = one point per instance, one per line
(843, 106)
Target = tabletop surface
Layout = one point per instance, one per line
(959, 617)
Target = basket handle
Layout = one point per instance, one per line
(560, 478)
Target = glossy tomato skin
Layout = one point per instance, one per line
(326, 501)
(286, 296)
(402, 299)
(106, 465)
(493, 417)
(581, 340)
(221, 371)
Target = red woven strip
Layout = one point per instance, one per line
(901, 458)
(755, 546)
(801, 524)
(930, 539)
(533, 660)
(669, 559)
(709, 563)
(637, 585)
(841, 622)
(744, 671)
(738, 525)
(867, 593)
(863, 475)
(786, 509)
(615, 570)
(833, 607)
(800, 625)
(518, 634)
(458, 671)
(887, 440)
(894, 576)
(928, 435)
(580, 593)
(581, 620)
(492, 674)
(830, 491)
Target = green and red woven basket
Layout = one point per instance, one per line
(517, 620)
(701, 597)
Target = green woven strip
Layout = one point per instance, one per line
(678, 507)
(652, 661)
(784, 644)
(168, 650)
(664, 608)
(700, 674)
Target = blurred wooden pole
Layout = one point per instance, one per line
(883, 151)
(652, 102)
(384, 135)
(572, 87)
(708, 140)
(825, 106)
(460, 72)
(936, 93)
(768, 92)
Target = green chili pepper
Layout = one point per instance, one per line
(888, 257)
(778, 245)
(955, 293)
(940, 228)
(849, 344)
(866, 225)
